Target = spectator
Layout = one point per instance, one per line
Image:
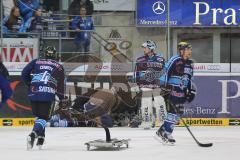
(77, 4)
(82, 24)
(14, 22)
(7, 6)
(27, 8)
(34, 24)
(74, 8)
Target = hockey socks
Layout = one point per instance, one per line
(165, 131)
(38, 132)
(39, 127)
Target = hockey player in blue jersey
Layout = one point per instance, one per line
(147, 72)
(47, 80)
(5, 89)
(178, 75)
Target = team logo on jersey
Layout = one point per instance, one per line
(158, 7)
(151, 75)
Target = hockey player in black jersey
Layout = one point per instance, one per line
(178, 75)
(47, 80)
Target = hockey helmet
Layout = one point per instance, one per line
(183, 45)
(150, 44)
(50, 51)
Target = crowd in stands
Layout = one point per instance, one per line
(21, 16)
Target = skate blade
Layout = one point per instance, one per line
(29, 145)
(163, 141)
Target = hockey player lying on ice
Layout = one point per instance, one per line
(97, 108)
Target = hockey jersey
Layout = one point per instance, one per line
(47, 80)
(3, 71)
(83, 23)
(178, 73)
(5, 89)
(148, 70)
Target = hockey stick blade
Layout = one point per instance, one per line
(205, 144)
(199, 144)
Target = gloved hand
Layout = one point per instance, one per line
(180, 109)
(190, 94)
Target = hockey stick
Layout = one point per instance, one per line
(195, 139)
(200, 144)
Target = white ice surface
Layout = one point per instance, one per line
(68, 144)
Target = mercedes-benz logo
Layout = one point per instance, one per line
(158, 7)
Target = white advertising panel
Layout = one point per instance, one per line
(114, 5)
(19, 49)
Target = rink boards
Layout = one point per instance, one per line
(190, 121)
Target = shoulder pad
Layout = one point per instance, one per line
(159, 58)
(141, 59)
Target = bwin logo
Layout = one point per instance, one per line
(158, 7)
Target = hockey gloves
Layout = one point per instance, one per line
(190, 95)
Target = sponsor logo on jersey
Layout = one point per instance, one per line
(188, 70)
(46, 68)
(46, 89)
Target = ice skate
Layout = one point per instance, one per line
(165, 137)
(40, 142)
(30, 140)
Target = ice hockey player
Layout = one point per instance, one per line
(97, 108)
(47, 80)
(5, 89)
(178, 75)
(3, 71)
(147, 72)
(114, 104)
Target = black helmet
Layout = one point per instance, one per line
(50, 52)
(183, 45)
